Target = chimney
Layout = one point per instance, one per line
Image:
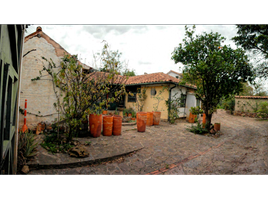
(39, 29)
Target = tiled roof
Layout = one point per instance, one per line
(104, 75)
(251, 97)
(154, 78)
(140, 79)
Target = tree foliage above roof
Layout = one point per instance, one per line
(216, 69)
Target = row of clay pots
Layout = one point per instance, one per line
(147, 119)
(111, 125)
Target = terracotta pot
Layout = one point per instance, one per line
(217, 126)
(129, 115)
(192, 117)
(204, 120)
(150, 119)
(108, 125)
(95, 122)
(133, 118)
(141, 121)
(104, 112)
(117, 125)
(157, 117)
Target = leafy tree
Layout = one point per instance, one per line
(247, 90)
(81, 94)
(127, 72)
(217, 70)
(255, 39)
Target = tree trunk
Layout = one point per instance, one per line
(208, 120)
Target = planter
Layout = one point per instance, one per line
(204, 120)
(217, 126)
(129, 115)
(133, 118)
(104, 112)
(156, 117)
(192, 117)
(150, 119)
(95, 122)
(117, 125)
(141, 121)
(108, 125)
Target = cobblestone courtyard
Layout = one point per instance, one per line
(170, 149)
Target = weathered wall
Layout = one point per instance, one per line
(247, 105)
(39, 94)
(150, 102)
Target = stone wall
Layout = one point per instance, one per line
(39, 94)
(248, 105)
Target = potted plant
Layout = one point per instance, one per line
(133, 115)
(194, 112)
(125, 112)
(150, 118)
(95, 122)
(217, 126)
(117, 125)
(104, 112)
(141, 121)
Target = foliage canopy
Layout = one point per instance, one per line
(216, 69)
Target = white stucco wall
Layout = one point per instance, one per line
(39, 94)
(173, 74)
(176, 93)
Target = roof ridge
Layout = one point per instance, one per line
(58, 48)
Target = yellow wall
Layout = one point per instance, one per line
(150, 102)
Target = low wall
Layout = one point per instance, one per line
(249, 104)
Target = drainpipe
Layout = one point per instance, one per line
(170, 100)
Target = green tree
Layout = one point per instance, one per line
(81, 94)
(255, 39)
(128, 72)
(217, 70)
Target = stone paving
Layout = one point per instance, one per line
(171, 149)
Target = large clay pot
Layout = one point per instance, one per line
(108, 125)
(117, 125)
(95, 122)
(157, 117)
(150, 119)
(141, 121)
(217, 126)
(192, 117)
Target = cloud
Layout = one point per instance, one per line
(144, 63)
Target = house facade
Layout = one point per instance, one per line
(39, 94)
(159, 83)
(11, 45)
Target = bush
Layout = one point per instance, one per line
(229, 104)
(263, 110)
(26, 148)
(198, 129)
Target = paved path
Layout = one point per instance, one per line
(170, 149)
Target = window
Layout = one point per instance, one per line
(183, 100)
(132, 98)
(177, 76)
(153, 92)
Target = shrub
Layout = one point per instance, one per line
(197, 129)
(26, 148)
(263, 110)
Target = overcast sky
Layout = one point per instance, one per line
(146, 48)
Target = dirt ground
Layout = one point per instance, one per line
(172, 150)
